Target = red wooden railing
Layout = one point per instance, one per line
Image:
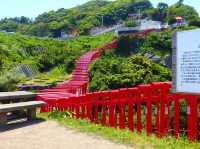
(129, 108)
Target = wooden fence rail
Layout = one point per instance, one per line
(150, 107)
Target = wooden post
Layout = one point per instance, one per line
(3, 119)
(31, 114)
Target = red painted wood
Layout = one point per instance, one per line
(139, 123)
(176, 116)
(104, 106)
(192, 117)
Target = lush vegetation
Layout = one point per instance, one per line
(44, 54)
(126, 66)
(80, 19)
(126, 137)
(111, 72)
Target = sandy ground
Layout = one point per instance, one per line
(50, 135)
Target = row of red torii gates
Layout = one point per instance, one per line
(151, 107)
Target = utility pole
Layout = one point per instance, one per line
(139, 16)
(102, 20)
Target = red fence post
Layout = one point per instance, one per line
(157, 95)
(89, 107)
(192, 118)
(104, 96)
(167, 98)
(77, 106)
(162, 98)
(139, 110)
(167, 112)
(83, 107)
(130, 116)
(96, 107)
(133, 94)
(122, 102)
(176, 115)
(112, 108)
(145, 92)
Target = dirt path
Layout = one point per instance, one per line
(50, 135)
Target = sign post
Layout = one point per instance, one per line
(186, 61)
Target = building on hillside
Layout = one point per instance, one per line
(64, 35)
(180, 21)
(106, 29)
(127, 30)
(145, 27)
(149, 24)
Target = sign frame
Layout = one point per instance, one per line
(175, 61)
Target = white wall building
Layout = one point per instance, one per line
(149, 24)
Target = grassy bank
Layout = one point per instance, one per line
(126, 137)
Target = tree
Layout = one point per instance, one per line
(24, 20)
(111, 72)
(41, 29)
(162, 6)
(180, 2)
(185, 11)
(195, 22)
(9, 26)
(131, 23)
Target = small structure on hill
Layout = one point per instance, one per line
(180, 21)
(150, 24)
(145, 26)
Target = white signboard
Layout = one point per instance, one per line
(186, 61)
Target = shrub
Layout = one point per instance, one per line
(128, 45)
(9, 79)
(131, 23)
(116, 72)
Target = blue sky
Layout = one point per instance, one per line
(32, 8)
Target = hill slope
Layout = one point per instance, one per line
(81, 19)
(78, 20)
(42, 54)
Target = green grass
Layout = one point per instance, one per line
(44, 79)
(126, 137)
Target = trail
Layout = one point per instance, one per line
(50, 135)
(79, 82)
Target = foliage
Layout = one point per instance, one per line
(128, 45)
(51, 78)
(44, 54)
(126, 67)
(9, 79)
(130, 23)
(183, 28)
(57, 115)
(111, 72)
(159, 13)
(195, 22)
(77, 20)
(159, 43)
(185, 11)
(81, 19)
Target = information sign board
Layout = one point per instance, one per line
(186, 61)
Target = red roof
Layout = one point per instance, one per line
(178, 18)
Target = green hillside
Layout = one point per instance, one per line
(80, 19)
(43, 54)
